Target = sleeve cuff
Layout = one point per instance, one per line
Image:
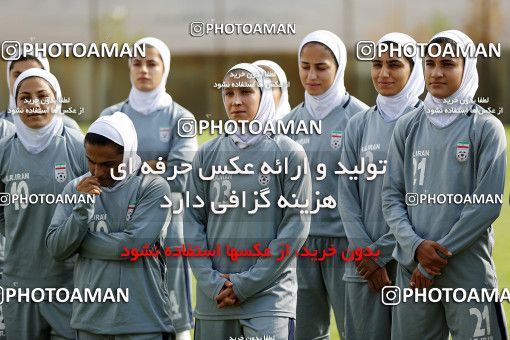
(424, 272)
(384, 257)
(415, 246)
(218, 287)
(235, 280)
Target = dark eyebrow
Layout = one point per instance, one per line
(146, 59)
(317, 64)
(38, 92)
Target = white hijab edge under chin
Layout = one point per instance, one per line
(119, 128)
(266, 111)
(283, 106)
(148, 102)
(392, 107)
(37, 140)
(320, 106)
(466, 90)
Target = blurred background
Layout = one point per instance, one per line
(198, 62)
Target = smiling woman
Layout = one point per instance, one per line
(37, 102)
(399, 82)
(14, 69)
(40, 159)
(39, 108)
(390, 74)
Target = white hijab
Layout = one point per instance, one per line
(147, 102)
(36, 140)
(283, 106)
(392, 107)
(320, 106)
(266, 111)
(467, 88)
(120, 129)
(45, 65)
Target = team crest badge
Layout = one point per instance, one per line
(60, 172)
(263, 179)
(336, 139)
(164, 134)
(130, 211)
(462, 151)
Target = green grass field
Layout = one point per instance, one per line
(501, 253)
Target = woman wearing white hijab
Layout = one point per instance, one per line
(156, 118)
(6, 129)
(279, 85)
(399, 81)
(14, 69)
(251, 296)
(126, 214)
(443, 88)
(447, 147)
(322, 59)
(40, 158)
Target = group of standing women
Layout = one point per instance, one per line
(420, 246)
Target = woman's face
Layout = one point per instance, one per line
(18, 67)
(241, 102)
(36, 101)
(443, 75)
(146, 73)
(317, 69)
(390, 74)
(102, 160)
